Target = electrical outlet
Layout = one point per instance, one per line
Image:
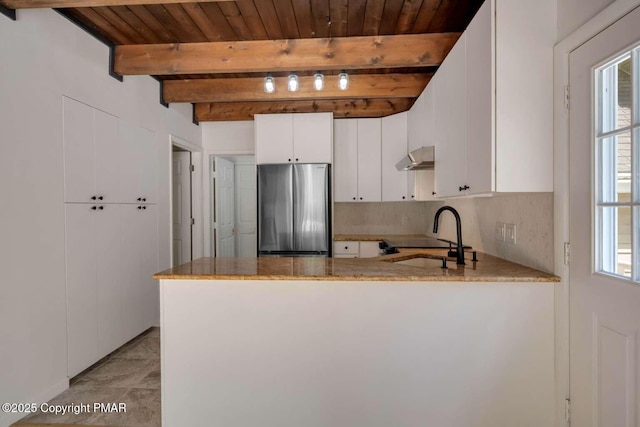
(510, 233)
(499, 231)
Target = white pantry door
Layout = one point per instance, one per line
(181, 187)
(604, 309)
(225, 208)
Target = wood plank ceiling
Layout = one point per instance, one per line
(217, 53)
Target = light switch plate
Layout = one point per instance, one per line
(499, 231)
(510, 233)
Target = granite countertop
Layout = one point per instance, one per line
(487, 269)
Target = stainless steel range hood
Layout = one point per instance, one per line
(421, 159)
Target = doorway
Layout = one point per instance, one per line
(233, 210)
(182, 205)
(604, 207)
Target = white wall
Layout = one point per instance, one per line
(573, 13)
(228, 137)
(44, 56)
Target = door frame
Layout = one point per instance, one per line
(207, 203)
(562, 50)
(197, 240)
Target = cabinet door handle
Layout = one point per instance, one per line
(100, 197)
(360, 198)
(93, 208)
(139, 199)
(289, 159)
(466, 187)
(403, 197)
(433, 193)
(101, 207)
(354, 198)
(297, 160)
(144, 199)
(144, 207)
(94, 198)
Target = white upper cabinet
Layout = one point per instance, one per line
(480, 175)
(90, 153)
(138, 164)
(345, 165)
(450, 113)
(394, 148)
(493, 105)
(106, 160)
(357, 165)
(313, 138)
(274, 138)
(294, 138)
(369, 160)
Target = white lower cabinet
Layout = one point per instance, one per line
(111, 255)
(82, 287)
(351, 249)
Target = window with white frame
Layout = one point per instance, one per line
(617, 164)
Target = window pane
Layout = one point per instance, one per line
(615, 240)
(615, 168)
(616, 95)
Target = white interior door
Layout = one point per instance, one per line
(604, 291)
(246, 208)
(224, 208)
(181, 187)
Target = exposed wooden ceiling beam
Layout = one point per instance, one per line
(40, 4)
(351, 108)
(251, 89)
(408, 50)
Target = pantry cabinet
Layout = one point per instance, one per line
(294, 138)
(493, 106)
(91, 159)
(138, 164)
(111, 232)
(357, 163)
(106, 159)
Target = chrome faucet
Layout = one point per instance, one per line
(459, 251)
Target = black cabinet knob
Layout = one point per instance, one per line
(412, 196)
(360, 198)
(139, 207)
(144, 207)
(100, 197)
(346, 247)
(289, 159)
(101, 207)
(466, 187)
(94, 198)
(144, 199)
(403, 197)
(93, 208)
(433, 193)
(297, 160)
(139, 199)
(354, 198)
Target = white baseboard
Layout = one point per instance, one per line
(6, 419)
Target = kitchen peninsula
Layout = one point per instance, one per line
(357, 342)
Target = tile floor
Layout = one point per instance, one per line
(130, 374)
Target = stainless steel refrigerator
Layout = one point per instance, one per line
(294, 210)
